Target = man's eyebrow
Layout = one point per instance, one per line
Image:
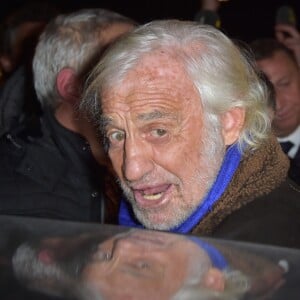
(156, 114)
(104, 121)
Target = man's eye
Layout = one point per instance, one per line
(283, 84)
(143, 265)
(159, 132)
(116, 136)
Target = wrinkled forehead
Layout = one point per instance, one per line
(160, 62)
(159, 70)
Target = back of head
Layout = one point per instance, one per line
(74, 41)
(223, 76)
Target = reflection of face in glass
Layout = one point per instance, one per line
(145, 265)
(141, 264)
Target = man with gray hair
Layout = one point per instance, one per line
(62, 172)
(186, 124)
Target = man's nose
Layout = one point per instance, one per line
(280, 101)
(137, 159)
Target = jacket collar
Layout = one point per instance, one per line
(259, 172)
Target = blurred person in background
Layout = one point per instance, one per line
(280, 65)
(20, 30)
(208, 13)
(19, 33)
(286, 29)
(62, 173)
(289, 36)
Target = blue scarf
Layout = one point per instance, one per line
(216, 257)
(228, 168)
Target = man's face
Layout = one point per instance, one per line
(159, 146)
(285, 76)
(140, 265)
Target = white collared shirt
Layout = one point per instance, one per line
(294, 137)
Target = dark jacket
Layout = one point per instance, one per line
(294, 171)
(53, 175)
(260, 205)
(18, 102)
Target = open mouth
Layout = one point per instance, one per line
(152, 196)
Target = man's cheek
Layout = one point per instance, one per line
(117, 162)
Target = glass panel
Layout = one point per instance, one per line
(43, 259)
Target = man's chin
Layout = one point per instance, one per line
(283, 131)
(156, 220)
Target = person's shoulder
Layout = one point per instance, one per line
(288, 191)
(272, 218)
(28, 159)
(11, 143)
(284, 199)
(22, 141)
(12, 151)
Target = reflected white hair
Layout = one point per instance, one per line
(46, 278)
(31, 272)
(222, 74)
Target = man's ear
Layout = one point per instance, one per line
(68, 85)
(214, 280)
(232, 124)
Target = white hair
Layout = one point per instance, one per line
(70, 41)
(222, 74)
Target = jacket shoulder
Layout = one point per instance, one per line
(11, 149)
(269, 219)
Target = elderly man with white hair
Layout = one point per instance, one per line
(187, 127)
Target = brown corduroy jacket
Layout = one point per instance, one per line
(260, 205)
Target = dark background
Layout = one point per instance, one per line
(241, 19)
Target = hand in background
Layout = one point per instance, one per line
(212, 5)
(290, 37)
